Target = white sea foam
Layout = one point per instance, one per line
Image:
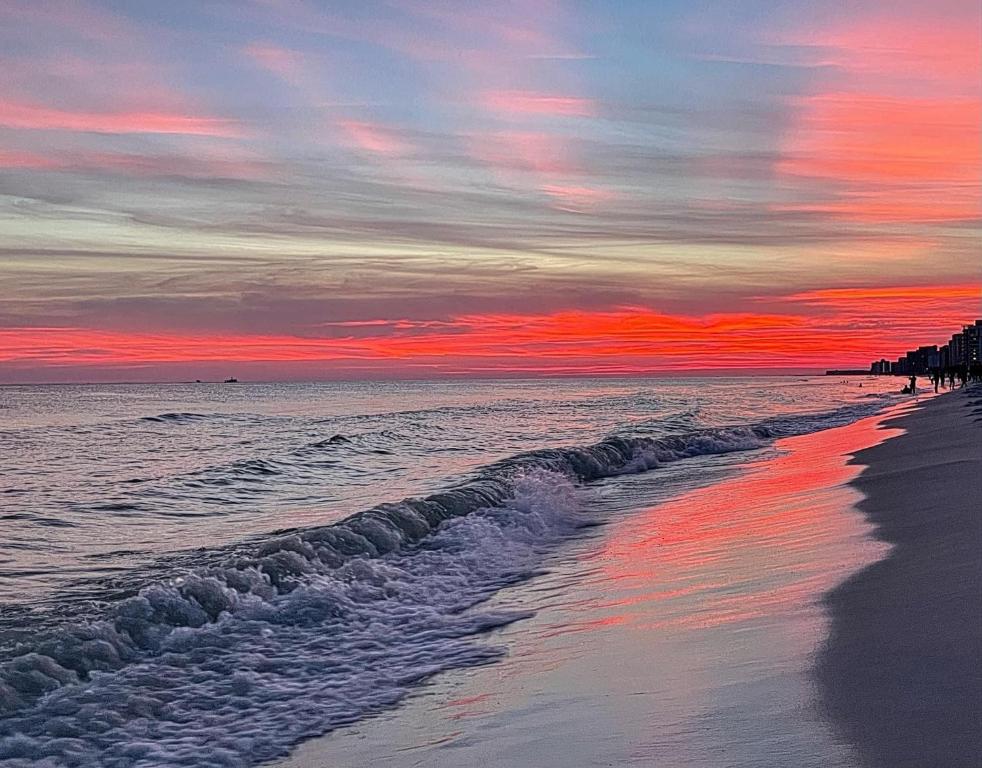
(236, 677)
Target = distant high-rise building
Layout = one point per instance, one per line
(956, 349)
(921, 359)
(880, 367)
(973, 343)
(963, 349)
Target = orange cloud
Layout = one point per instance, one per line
(944, 294)
(854, 326)
(891, 156)
(35, 117)
(888, 321)
(893, 135)
(904, 310)
(867, 137)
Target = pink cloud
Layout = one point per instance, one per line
(491, 38)
(282, 62)
(524, 152)
(928, 47)
(35, 117)
(374, 137)
(503, 26)
(30, 160)
(532, 103)
(79, 18)
(203, 161)
(539, 161)
(195, 167)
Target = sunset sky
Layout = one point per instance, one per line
(293, 189)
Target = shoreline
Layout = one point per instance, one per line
(686, 632)
(901, 671)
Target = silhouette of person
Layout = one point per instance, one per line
(913, 385)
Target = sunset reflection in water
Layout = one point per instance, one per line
(754, 547)
(677, 634)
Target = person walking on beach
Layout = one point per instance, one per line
(913, 385)
(936, 380)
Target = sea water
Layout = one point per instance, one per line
(208, 574)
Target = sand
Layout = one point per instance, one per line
(901, 674)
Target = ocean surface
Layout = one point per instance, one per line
(206, 574)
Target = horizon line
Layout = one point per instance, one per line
(675, 374)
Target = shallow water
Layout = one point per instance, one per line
(683, 634)
(184, 583)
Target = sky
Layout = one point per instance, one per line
(299, 189)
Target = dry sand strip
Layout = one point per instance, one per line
(901, 674)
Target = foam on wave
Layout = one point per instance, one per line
(231, 665)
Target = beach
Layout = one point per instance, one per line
(902, 672)
(505, 384)
(659, 581)
(817, 608)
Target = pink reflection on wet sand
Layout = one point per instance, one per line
(754, 547)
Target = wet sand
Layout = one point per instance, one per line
(901, 675)
(681, 634)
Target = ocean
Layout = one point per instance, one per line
(208, 574)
